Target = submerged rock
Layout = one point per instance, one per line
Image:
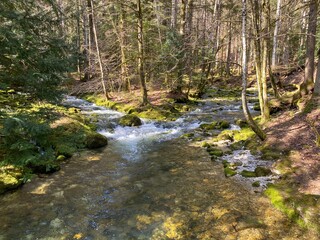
(130, 121)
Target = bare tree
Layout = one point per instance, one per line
(246, 112)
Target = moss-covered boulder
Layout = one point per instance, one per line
(130, 120)
(9, 180)
(256, 184)
(96, 140)
(215, 125)
(262, 171)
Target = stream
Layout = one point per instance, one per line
(148, 183)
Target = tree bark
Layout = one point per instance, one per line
(275, 34)
(310, 50)
(98, 50)
(316, 91)
(246, 111)
(174, 11)
(141, 55)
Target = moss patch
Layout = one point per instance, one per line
(248, 174)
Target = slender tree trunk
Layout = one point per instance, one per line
(260, 45)
(141, 55)
(122, 39)
(275, 34)
(246, 111)
(182, 59)
(316, 91)
(311, 44)
(272, 52)
(86, 47)
(228, 72)
(174, 13)
(98, 50)
(79, 40)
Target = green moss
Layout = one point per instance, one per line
(248, 174)
(215, 152)
(209, 126)
(244, 134)
(225, 135)
(256, 184)
(10, 179)
(277, 199)
(205, 145)
(271, 154)
(188, 135)
(228, 172)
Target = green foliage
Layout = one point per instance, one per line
(33, 56)
(26, 142)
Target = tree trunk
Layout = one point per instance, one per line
(98, 51)
(122, 40)
(260, 45)
(174, 13)
(316, 91)
(228, 71)
(310, 50)
(246, 112)
(141, 55)
(275, 34)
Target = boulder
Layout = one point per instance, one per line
(96, 140)
(130, 121)
(262, 171)
(9, 180)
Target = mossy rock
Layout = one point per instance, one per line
(244, 134)
(10, 180)
(209, 126)
(96, 140)
(215, 152)
(237, 145)
(248, 174)
(228, 172)
(225, 135)
(256, 184)
(130, 120)
(205, 145)
(241, 123)
(262, 171)
(223, 124)
(225, 163)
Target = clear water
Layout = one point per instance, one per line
(147, 184)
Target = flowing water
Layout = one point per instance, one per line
(146, 184)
